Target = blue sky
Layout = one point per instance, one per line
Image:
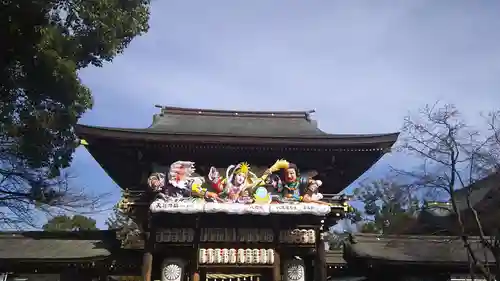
(361, 64)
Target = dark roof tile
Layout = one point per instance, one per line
(428, 249)
(280, 126)
(335, 257)
(240, 123)
(47, 246)
(64, 246)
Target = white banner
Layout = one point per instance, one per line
(193, 206)
(299, 209)
(183, 207)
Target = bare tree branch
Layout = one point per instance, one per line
(453, 156)
(28, 195)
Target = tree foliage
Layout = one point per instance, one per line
(119, 220)
(25, 193)
(67, 223)
(44, 45)
(389, 206)
(335, 240)
(127, 230)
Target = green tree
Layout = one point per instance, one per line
(335, 239)
(340, 232)
(119, 220)
(67, 223)
(389, 207)
(127, 230)
(44, 45)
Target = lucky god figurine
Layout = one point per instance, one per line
(180, 183)
(294, 187)
(245, 196)
(311, 194)
(237, 184)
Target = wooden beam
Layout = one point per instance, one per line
(277, 256)
(195, 268)
(320, 262)
(147, 260)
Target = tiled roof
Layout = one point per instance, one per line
(95, 245)
(49, 246)
(478, 191)
(423, 249)
(335, 256)
(243, 123)
(185, 122)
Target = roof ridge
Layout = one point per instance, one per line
(240, 113)
(373, 237)
(40, 234)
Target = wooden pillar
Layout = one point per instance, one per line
(277, 266)
(309, 264)
(195, 269)
(147, 259)
(277, 256)
(320, 261)
(147, 265)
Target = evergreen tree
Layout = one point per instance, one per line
(67, 223)
(44, 45)
(389, 207)
(120, 220)
(126, 229)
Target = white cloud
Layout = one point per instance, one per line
(362, 64)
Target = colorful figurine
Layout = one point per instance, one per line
(180, 183)
(294, 187)
(311, 194)
(261, 196)
(245, 196)
(292, 183)
(238, 179)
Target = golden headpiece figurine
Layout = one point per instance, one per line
(242, 168)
